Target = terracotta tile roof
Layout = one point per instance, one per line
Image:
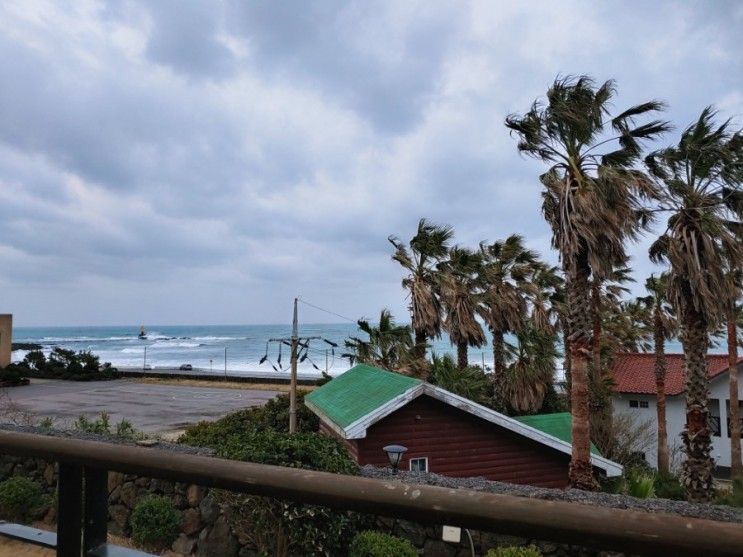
(634, 372)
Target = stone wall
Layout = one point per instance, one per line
(205, 531)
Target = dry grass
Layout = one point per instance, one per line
(280, 387)
(13, 548)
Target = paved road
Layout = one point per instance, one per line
(150, 408)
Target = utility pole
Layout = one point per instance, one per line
(294, 342)
(225, 362)
(326, 360)
(144, 365)
(293, 382)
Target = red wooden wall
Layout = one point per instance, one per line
(460, 445)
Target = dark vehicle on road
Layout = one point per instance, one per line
(186, 367)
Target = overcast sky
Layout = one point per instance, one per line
(182, 162)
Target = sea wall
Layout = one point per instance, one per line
(205, 531)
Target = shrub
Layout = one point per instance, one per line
(155, 522)
(274, 416)
(14, 374)
(377, 544)
(640, 485)
(279, 527)
(69, 365)
(102, 426)
(513, 551)
(668, 486)
(21, 499)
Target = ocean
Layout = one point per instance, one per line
(238, 348)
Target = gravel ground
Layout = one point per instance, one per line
(694, 510)
(74, 434)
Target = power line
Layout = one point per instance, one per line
(327, 311)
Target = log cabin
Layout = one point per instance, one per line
(368, 408)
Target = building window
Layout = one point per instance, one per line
(634, 404)
(643, 404)
(714, 425)
(419, 464)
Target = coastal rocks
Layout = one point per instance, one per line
(217, 541)
(209, 509)
(184, 545)
(195, 494)
(191, 522)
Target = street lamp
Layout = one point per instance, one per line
(394, 453)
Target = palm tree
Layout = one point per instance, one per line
(388, 345)
(702, 179)
(428, 247)
(592, 201)
(460, 298)
(470, 382)
(532, 372)
(507, 267)
(664, 327)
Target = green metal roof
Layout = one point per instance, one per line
(558, 425)
(357, 392)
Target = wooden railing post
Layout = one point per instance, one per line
(69, 510)
(95, 512)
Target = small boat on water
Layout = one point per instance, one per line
(142, 334)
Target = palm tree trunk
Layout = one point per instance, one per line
(420, 344)
(660, 392)
(600, 400)
(579, 308)
(736, 466)
(462, 360)
(499, 370)
(566, 358)
(697, 471)
(596, 303)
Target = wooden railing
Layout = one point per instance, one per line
(83, 513)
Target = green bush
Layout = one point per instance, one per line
(668, 486)
(274, 416)
(14, 374)
(155, 522)
(513, 551)
(69, 365)
(102, 426)
(640, 485)
(21, 499)
(377, 544)
(279, 527)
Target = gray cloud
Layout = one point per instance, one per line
(205, 162)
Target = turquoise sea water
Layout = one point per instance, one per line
(203, 346)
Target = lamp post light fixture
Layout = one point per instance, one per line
(394, 453)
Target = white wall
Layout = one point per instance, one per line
(676, 419)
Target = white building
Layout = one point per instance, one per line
(634, 394)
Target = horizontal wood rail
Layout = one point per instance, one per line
(585, 525)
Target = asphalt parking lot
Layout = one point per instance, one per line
(150, 408)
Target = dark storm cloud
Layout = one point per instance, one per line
(165, 160)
